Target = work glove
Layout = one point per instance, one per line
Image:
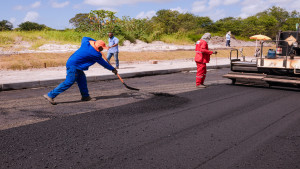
(115, 71)
(215, 52)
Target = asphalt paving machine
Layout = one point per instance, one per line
(279, 67)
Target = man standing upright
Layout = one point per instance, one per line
(113, 45)
(228, 39)
(202, 57)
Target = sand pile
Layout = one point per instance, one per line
(215, 43)
(139, 46)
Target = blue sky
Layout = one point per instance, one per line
(57, 13)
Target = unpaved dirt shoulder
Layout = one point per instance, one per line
(215, 43)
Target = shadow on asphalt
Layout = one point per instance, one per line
(136, 95)
(63, 142)
(283, 88)
(122, 95)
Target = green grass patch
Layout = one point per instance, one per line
(243, 38)
(38, 38)
(69, 36)
(37, 60)
(6, 40)
(177, 39)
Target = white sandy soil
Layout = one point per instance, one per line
(215, 43)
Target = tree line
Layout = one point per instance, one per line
(170, 22)
(5, 25)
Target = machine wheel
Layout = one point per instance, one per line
(269, 84)
(233, 81)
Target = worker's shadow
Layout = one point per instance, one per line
(135, 95)
(122, 95)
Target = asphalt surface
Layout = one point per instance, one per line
(178, 126)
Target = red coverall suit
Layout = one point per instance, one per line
(202, 57)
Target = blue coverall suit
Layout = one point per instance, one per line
(79, 61)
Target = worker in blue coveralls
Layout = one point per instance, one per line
(88, 54)
(113, 45)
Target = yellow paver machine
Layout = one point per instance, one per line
(279, 67)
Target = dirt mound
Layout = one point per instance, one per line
(221, 41)
(58, 48)
(216, 42)
(139, 46)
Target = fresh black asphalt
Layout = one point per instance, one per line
(222, 126)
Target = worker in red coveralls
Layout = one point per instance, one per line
(202, 57)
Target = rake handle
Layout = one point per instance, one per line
(128, 87)
(120, 78)
(117, 73)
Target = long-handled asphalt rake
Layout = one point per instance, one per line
(132, 88)
(128, 87)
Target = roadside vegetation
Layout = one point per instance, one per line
(40, 60)
(168, 26)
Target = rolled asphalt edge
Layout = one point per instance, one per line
(54, 82)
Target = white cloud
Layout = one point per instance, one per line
(242, 8)
(55, 4)
(295, 5)
(252, 2)
(199, 6)
(108, 9)
(230, 2)
(148, 14)
(214, 3)
(180, 10)
(77, 6)
(19, 7)
(119, 2)
(288, 5)
(209, 5)
(280, 1)
(217, 14)
(13, 20)
(36, 4)
(31, 16)
(252, 7)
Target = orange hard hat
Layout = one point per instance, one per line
(101, 43)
